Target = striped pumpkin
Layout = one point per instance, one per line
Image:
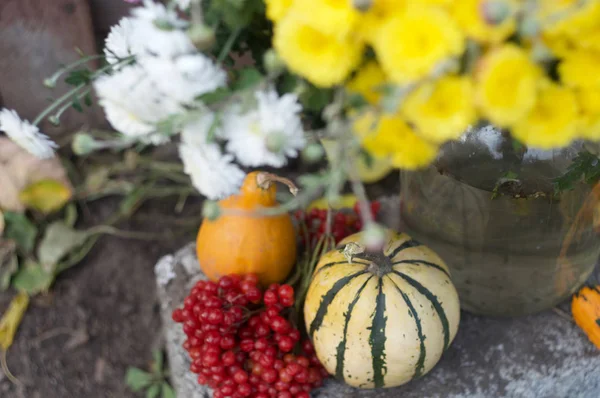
(384, 318)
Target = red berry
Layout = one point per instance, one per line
(189, 302)
(213, 302)
(177, 315)
(247, 345)
(226, 390)
(295, 335)
(272, 392)
(231, 370)
(261, 395)
(212, 338)
(240, 357)
(285, 376)
(303, 361)
(246, 333)
(279, 364)
(254, 295)
(195, 367)
(202, 379)
(195, 352)
(295, 389)
(244, 390)
(272, 312)
(246, 285)
(281, 385)
(269, 375)
(286, 301)
(285, 291)
(251, 278)
(261, 330)
(302, 376)
(228, 319)
(286, 344)
(261, 344)
(314, 360)
(195, 341)
(254, 321)
(293, 368)
(216, 394)
(323, 372)
(289, 358)
(256, 381)
(240, 377)
(210, 358)
(302, 394)
(266, 361)
(211, 287)
(313, 375)
(255, 355)
(307, 347)
(227, 342)
(225, 282)
(228, 358)
(217, 369)
(237, 312)
(186, 345)
(279, 324)
(284, 394)
(257, 369)
(270, 298)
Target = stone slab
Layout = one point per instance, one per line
(538, 356)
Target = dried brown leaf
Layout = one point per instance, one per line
(19, 169)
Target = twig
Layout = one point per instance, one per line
(562, 314)
(7, 371)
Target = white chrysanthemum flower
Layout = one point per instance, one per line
(158, 31)
(26, 135)
(185, 77)
(196, 133)
(132, 102)
(268, 134)
(119, 43)
(213, 174)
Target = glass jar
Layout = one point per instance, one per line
(489, 209)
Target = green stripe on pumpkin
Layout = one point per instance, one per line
(377, 338)
(422, 351)
(341, 348)
(405, 245)
(329, 265)
(328, 298)
(434, 301)
(598, 321)
(422, 262)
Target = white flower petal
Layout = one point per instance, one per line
(119, 43)
(195, 133)
(249, 133)
(213, 174)
(132, 103)
(26, 135)
(188, 75)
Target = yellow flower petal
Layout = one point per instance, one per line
(552, 122)
(325, 60)
(277, 9)
(506, 85)
(390, 137)
(589, 104)
(580, 69)
(332, 17)
(379, 12)
(367, 82)
(470, 18)
(442, 110)
(412, 43)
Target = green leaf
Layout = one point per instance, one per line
(288, 83)
(9, 264)
(315, 99)
(585, 167)
(136, 379)
(213, 97)
(167, 391)
(153, 391)
(77, 105)
(212, 130)
(59, 240)
(71, 214)
(157, 364)
(367, 157)
(87, 99)
(46, 196)
(32, 278)
(21, 230)
(79, 77)
(133, 200)
(247, 78)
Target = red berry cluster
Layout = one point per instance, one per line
(344, 223)
(243, 353)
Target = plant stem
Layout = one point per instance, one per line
(69, 104)
(196, 12)
(51, 81)
(228, 44)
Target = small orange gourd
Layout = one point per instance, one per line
(242, 241)
(586, 312)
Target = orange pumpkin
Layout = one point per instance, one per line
(242, 241)
(586, 312)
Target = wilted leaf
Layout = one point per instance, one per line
(71, 214)
(20, 169)
(32, 278)
(59, 239)
(167, 391)
(136, 379)
(153, 391)
(8, 262)
(21, 230)
(45, 196)
(11, 319)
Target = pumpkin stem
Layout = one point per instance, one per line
(380, 264)
(264, 181)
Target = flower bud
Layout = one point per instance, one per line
(374, 237)
(50, 82)
(84, 144)
(313, 153)
(211, 210)
(495, 11)
(273, 62)
(202, 36)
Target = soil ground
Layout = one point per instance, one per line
(102, 315)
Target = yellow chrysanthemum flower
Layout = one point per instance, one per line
(411, 44)
(470, 18)
(506, 85)
(367, 82)
(553, 120)
(570, 17)
(325, 60)
(589, 105)
(442, 110)
(277, 9)
(332, 17)
(390, 137)
(580, 69)
(375, 17)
